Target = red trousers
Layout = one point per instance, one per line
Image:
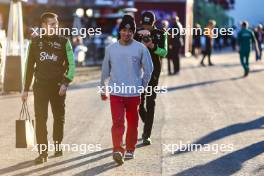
(121, 106)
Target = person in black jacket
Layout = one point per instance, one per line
(259, 34)
(175, 43)
(156, 41)
(197, 45)
(207, 51)
(51, 60)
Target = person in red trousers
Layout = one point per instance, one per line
(129, 66)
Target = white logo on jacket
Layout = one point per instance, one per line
(46, 56)
(57, 45)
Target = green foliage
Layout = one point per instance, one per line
(204, 11)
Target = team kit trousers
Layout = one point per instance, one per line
(43, 95)
(244, 59)
(147, 106)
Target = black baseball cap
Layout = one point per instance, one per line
(148, 18)
(128, 22)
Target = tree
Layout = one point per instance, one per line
(204, 11)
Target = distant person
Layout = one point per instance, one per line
(218, 41)
(197, 40)
(245, 39)
(80, 52)
(175, 43)
(115, 30)
(165, 27)
(260, 38)
(207, 51)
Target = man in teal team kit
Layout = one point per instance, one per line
(245, 39)
(51, 60)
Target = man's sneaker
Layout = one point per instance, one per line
(246, 73)
(41, 159)
(129, 155)
(146, 141)
(58, 153)
(118, 157)
(202, 64)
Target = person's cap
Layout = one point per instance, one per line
(148, 18)
(128, 22)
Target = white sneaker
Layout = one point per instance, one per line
(129, 155)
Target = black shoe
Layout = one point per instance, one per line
(246, 73)
(58, 153)
(118, 157)
(202, 64)
(41, 159)
(147, 141)
(211, 64)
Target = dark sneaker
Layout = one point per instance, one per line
(146, 141)
(41, 159)
(246, 73)
(129, 155)
(58, 153)
(202, 64)
(118, 157)
(211, 64)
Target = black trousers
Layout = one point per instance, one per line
(43, 95)
(174, 56)
(208, 53)
(147, 107)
